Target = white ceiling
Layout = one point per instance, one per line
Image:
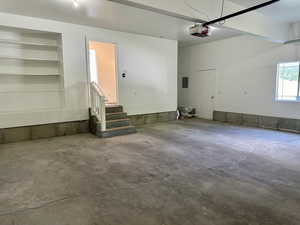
(102, 13)
(285, 10)
(106, 14)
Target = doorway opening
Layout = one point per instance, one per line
(103, 69)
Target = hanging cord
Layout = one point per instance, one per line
(196, 10)
(222, 12)
(203, 13)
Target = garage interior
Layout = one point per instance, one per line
(150, 112)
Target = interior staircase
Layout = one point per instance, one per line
(117, 123)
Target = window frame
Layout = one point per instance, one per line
(277, 83)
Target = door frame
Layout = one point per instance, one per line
(87, 52)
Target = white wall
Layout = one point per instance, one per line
(246, 74)
(151, 65)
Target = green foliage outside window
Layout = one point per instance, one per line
(290, 73)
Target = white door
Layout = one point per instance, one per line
(202, 93)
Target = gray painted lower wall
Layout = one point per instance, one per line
(9, 135)
(267, 122)
(17, 134)
(138, 120)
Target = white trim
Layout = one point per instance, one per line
(277, 99)
(87, 56)
(117, 72)
(93, 61)
(287, 101)
(88, 40)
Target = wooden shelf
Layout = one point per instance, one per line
(26, 74)
(32, 91)
(29, 59)
(24, 43)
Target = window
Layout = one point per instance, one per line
(288, 81)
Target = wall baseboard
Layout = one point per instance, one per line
(17, 134)
(266, 122)
(139, 120)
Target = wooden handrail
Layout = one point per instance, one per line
(98, 88)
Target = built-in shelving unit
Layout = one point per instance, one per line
(24, 43)
(33, 91)
(29, 59)
(26, 74)
(31, 69)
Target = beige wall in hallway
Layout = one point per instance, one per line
(106, 66)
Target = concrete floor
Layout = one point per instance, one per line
(179, 173)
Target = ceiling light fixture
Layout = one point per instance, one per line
(76, 3)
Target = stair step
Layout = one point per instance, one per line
(117, 123)
(116, 116)
(114, 109)
(117, 131)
